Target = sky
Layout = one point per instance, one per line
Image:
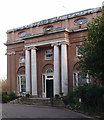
(17, 13)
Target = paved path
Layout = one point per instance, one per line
(30, 111)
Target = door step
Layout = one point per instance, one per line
(40, 101)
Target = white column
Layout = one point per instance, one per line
(64, 70)
(34, 71)
(27, 70)
(56, 70)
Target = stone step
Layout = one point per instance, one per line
(39, 101)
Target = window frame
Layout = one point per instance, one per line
(82, 20)
(48, 58)
(22, 34)
(75, 85)
(20, 85)
(20, 58)
(77, 51)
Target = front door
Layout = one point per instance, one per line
(47, 85)
(49, 88)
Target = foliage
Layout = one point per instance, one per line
(92, 98)
(92, 51)
(8, 97)
(3, 85)
(12, 96)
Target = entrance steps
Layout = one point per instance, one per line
(57, 102)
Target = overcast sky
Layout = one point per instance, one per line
(16, 13)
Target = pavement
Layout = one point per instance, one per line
(31, 111)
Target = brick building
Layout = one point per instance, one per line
(42, 56)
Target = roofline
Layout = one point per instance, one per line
(14, 42)
(55, 19)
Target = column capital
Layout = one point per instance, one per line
(64, 43)
(55, 44)
(29, 48)
(34, 48)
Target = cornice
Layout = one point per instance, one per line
(14, 42)
(55, 19)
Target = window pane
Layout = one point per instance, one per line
(48, 54)
(21, 58)
(49, 70)
(81, 79)
(75, 79)
(23, 84)
(49, 76)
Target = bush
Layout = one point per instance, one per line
(8, 97)
(12, 96)
(5, 98)
(92, 97)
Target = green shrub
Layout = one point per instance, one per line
(5, 98)
(12, 96)
(92, 98)
(8, 97)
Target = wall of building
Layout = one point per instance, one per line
(74, 38)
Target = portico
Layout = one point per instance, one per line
(52, 79)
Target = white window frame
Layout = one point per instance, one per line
(19, 84)
(21, 60)
(88, 80)
(48, 58)
(77, 51)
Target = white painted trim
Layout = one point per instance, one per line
(43, 93)
(77, 47)
(45, 55)
(42, 43)
(19, 90)
(48, 74)
(76, 72)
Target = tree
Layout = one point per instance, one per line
(92, 51)
(3, 85)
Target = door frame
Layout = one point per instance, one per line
(19, 84)
(44, 93)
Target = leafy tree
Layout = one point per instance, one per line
(92, 51)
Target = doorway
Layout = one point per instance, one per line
(48, 85)
(49, 88)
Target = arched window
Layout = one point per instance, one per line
(49, 70)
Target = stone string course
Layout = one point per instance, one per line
(55, 19)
